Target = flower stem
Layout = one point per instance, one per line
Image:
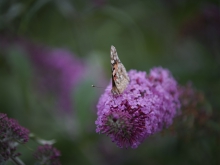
(17, 161)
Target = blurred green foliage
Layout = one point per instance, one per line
(181, 35)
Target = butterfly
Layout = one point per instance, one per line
(120, 79)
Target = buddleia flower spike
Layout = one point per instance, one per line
(145, 104)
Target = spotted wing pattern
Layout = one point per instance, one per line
(120, 78)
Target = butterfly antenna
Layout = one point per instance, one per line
(96, 86)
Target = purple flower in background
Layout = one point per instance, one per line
(148, 104)
(57, 72)
(11, 133)
(204, 25)
(99, 3)
(47, 155)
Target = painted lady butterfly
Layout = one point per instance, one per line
(120, 77)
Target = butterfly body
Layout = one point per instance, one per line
(120, 79)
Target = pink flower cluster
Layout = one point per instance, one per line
(148, 105)
(10, 134)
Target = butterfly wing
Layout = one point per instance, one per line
(120, 78)
(114, 87)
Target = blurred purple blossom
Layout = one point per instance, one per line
(205, 26)
(148, 105)
(99, 3)
(196, 115)
(47, 155)
(11, 133)
(204, 23)
(195, 107)
(57, 71)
